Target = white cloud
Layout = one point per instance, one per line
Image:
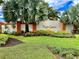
(76, 1)
(56, 1)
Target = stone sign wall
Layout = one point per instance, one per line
(49, 24)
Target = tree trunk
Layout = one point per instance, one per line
(26, 28)
(63, 27)
(34, 27)
(74, 29)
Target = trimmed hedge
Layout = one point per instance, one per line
(50, 33)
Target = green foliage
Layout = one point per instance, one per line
(54, 50)
(50, 33)
(1, 1)
(61, 32)
(64, 45)
(68, 53)
(65, 17)
(26, 51)
(69, 56)
(10, 11)
(3, 39)
(25, 11)
(65, 51)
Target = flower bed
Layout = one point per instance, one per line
(67, 53)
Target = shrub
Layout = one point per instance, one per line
(29, 34)
(43, 32)
(54, 50)
(50, 33)
(62, 32)
(5, 32)
(65, 51)
(3, 39)
(76, 52)
(69, 56)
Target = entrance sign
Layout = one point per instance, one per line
(49, 24)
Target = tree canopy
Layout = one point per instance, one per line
(25, 10)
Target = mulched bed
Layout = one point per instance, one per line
(11, 42)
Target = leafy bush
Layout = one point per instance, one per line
(76, 52)
(29, 34)
(69, 56)
(73, 51)
(55, 50)
(5, 32)
(61, 32)
(65, 52)
(44, 32)
(38, 33)
(3, 39)
(50, 33)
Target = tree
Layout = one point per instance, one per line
(71, 16)
(33, 11)
(28, 11)
(10, 11)
(52, 14)
(1, 1)
(74, 17)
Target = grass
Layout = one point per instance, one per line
(25, 51)
(35, 47)
(52, 41)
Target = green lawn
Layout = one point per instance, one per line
(52, 41)
(35, 47)
(25, 51)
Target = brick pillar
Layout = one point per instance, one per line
(34, 27)
(18, 27)
(63, 26)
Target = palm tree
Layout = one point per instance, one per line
(53, 14)
(33, 11)
(1, 1)
(64, 19)
(38, 12)
(71, 16)
(28, 11)
(9, 10)
(74, 17)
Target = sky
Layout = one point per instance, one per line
(62, 5)
(1, 15)
(59, 5)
